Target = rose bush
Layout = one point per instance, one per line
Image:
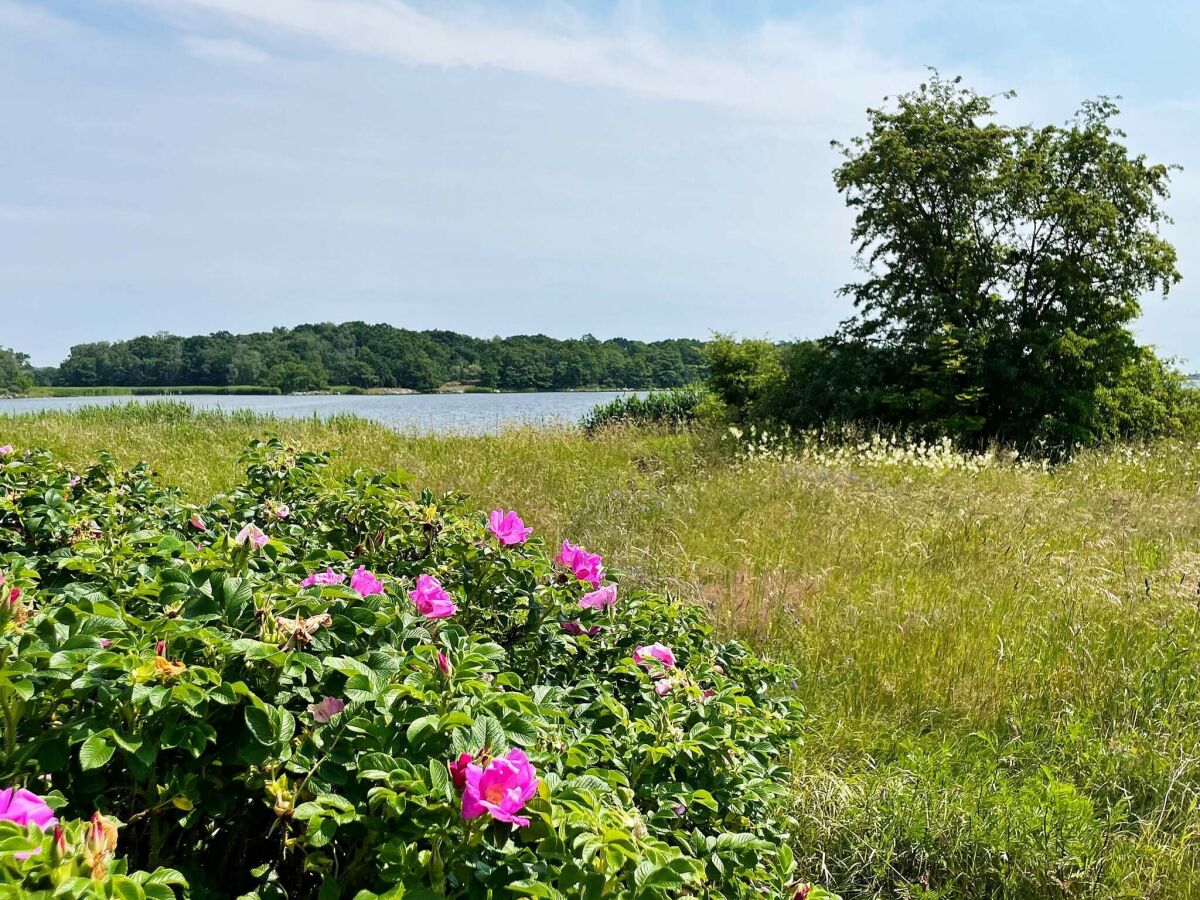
(379, 693)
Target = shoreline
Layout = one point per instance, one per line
(256, 391)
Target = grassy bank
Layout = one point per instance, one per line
(998, 662)
(237, 389)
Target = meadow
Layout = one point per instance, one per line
(996, 659)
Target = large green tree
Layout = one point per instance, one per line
(14, 371)
(1003, 265)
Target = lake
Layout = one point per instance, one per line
(474, 413)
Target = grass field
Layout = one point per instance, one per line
(998, 663)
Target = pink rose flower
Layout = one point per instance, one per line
(501, 789)
(252, 533)
(282, 511)
(74, 482)
(325, 710)
(105, 643)
(585, 566)
(663, 686)
(6, 449)
(601, 598)
(323, 579)
(443, 664)
(365, 582)
(431, 599)
(661, 653)
(508, 527)
(25, 808)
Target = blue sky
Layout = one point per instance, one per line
(642, 169)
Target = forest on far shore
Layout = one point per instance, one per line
(311, 357)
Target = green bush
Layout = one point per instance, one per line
(157, 671)
(676, 408)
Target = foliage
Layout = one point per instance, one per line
(1150, 399)
(1003, 264)
(14, 371)
(75, 860)
(160, 672)
(846, 389)
(675, 408)
(368, 356)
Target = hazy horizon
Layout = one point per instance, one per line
(627, 169)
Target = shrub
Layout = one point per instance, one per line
(210, 679)
(675, 408)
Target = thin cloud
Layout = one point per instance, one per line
(783, 70)
(225, 50)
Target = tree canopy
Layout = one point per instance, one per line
(14, 371)
(367, 356)
(1003, 265)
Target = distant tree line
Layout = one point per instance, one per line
(309, 357)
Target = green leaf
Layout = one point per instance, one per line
(260, 725)
(95, 752)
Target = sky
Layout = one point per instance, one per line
(637, 169)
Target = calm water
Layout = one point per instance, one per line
(476, 413)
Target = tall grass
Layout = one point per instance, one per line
(998, 662)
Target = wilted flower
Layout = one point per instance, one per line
(508, 527)
(501, 788)
(282, 511)
(74, 482)
(6, 449)
(576, 628)
(365, 582)
(660, 652)
(431, 598)
(252, 533)
(302, 630)
(160, 648)
(663, 686)
(458, 771)
(25, 808)
(325, 710)
(328, 577)
(601, 598)
(583, 565)
(198, 523)
(104, 642)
